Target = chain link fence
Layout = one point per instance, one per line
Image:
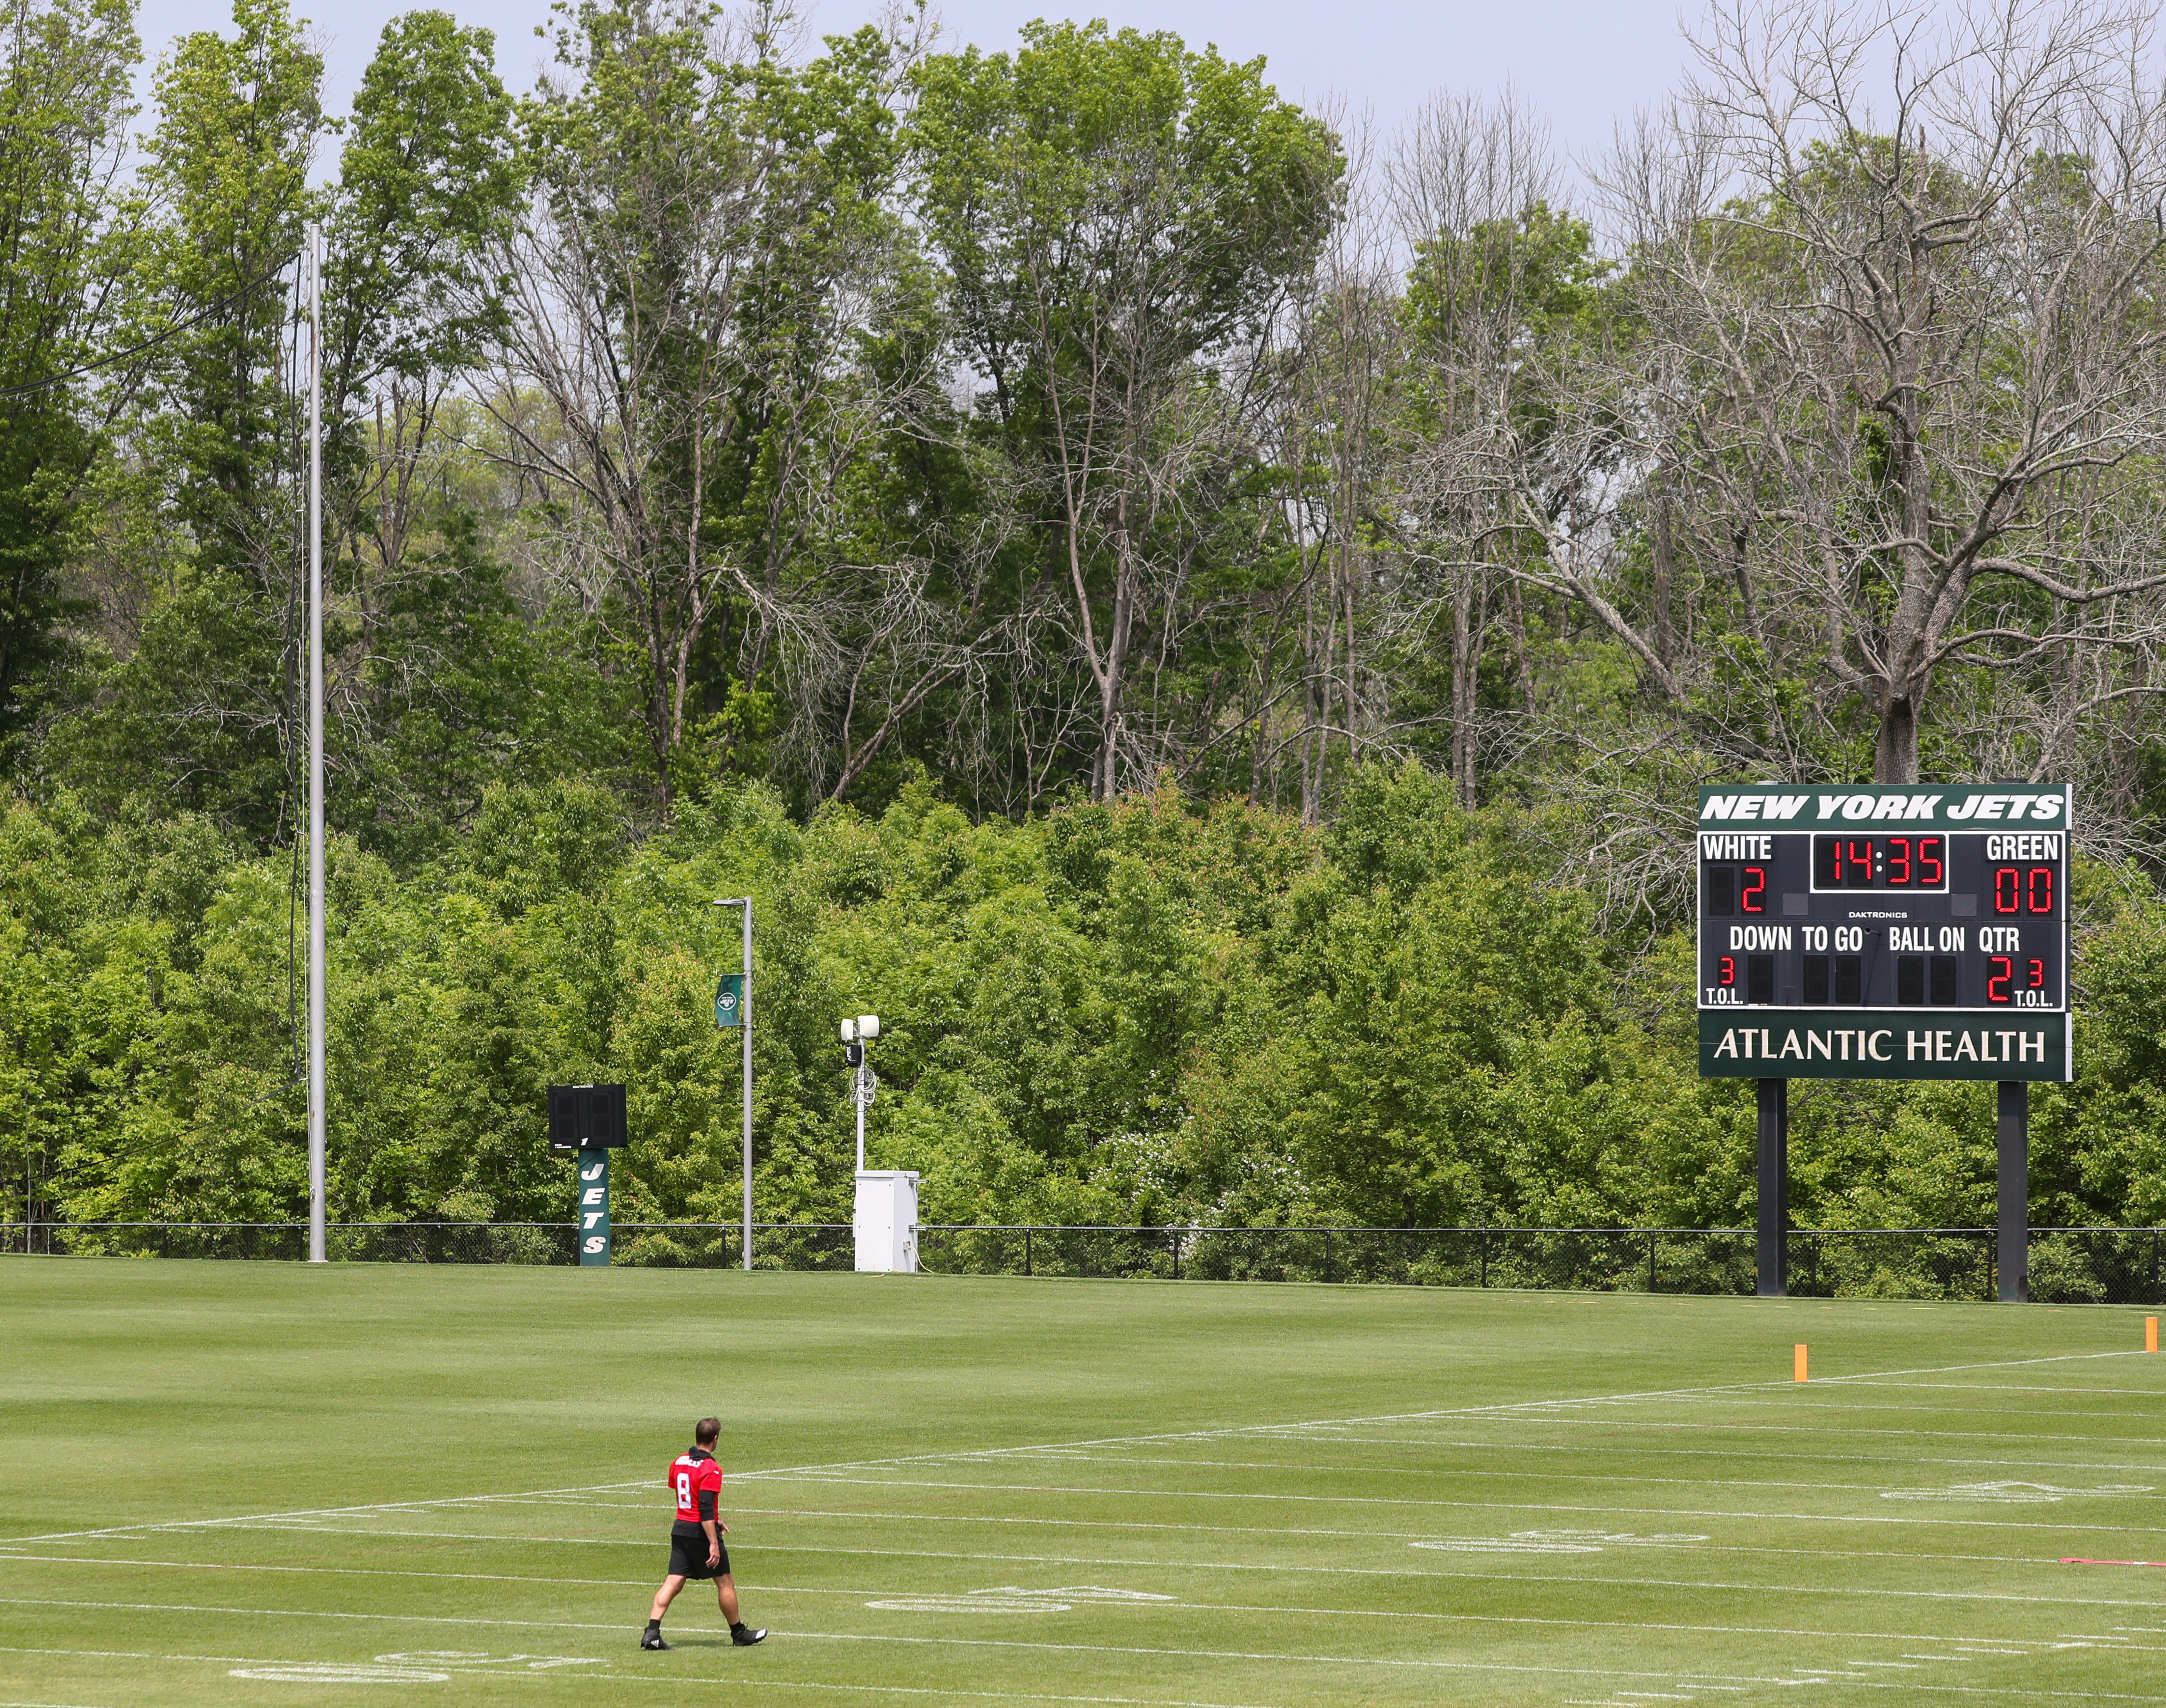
(2081, 1265)
(644, 1245)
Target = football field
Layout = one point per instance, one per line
(238, 1484)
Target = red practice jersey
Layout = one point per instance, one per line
(696, 1480)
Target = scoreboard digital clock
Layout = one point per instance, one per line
(1886, 933)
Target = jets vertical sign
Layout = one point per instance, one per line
(594, 1208)
(1850, 933)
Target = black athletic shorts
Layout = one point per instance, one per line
(688, 1552)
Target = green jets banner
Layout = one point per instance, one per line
(729, 1000)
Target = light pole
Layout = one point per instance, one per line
(856, 1035)
(316, 242)
(744, 1033)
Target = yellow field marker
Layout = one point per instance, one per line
(1798, 1354)
(2150, 1333)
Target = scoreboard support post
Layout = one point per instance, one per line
(1771, 1266)
(2013, 1255)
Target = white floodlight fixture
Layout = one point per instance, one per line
(856, 1035)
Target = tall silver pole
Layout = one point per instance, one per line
(745, 1019)
(857, 1097)
(315, 748)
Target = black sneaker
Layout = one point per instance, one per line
(653, 1639)
(744, 1637)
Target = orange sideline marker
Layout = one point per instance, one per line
(1798, 1360)
(2150, 1333)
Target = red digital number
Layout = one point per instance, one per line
(1861, 854)
(1898, 865)
(1996, 986)
(1755, 886)
(2007, 890)
(1728, 970)
(1931, 870)
(2037, 975)
(2039, 892)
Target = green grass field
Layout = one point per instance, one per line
(241, 1483)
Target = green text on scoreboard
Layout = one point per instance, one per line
(1884, 933)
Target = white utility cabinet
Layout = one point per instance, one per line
(886, 1221)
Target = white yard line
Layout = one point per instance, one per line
(862, 1514)
(1274, 1608)
(1280, 1569)
(765, 1546)
(2003, 1388)
(448, 1500)
(1306, 1569)
(672, 1676)
(1308, 1465)
(2063, 1526)
(1311, 1469)
(41, 1705)
(1277, 1656)
(1694, 1585)
(1816, 1405)
(1681, 1426)
(1525, 1408)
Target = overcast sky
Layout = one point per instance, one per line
(1582, 63)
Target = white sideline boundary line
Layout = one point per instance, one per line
(1537, 1407)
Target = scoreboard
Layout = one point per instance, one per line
(1884, 933)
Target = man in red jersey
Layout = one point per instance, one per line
(695, 1539)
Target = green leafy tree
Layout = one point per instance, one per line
(64, 73)
(195, 714)
(1116, 213)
